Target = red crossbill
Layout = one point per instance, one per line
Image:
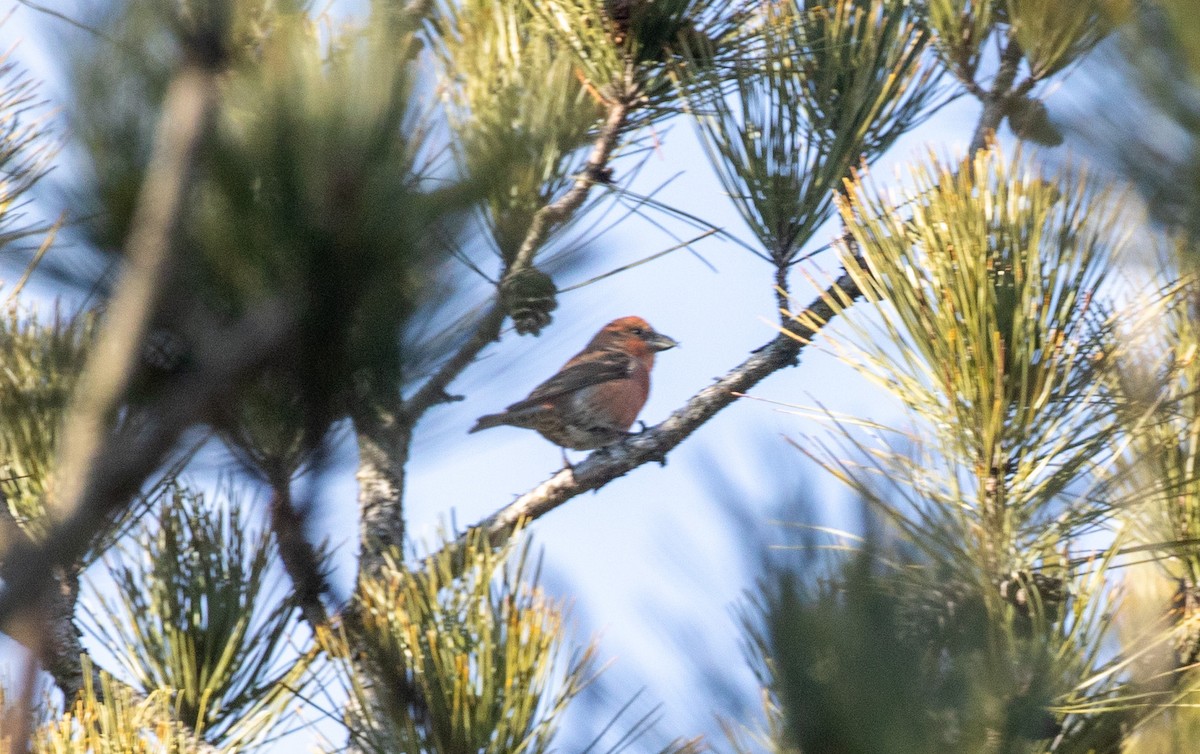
(596, 396)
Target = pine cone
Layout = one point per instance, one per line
(529, 296)
(1049, 594)
(1030, 121)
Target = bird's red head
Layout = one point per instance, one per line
(633, 334)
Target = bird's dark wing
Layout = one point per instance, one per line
(583, 371)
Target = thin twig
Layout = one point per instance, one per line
(554, 214)
(487, 331)
(782, 290)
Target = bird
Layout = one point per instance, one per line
(593, 400)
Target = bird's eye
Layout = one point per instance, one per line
(638, 331)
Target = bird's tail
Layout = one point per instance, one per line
(489, 421)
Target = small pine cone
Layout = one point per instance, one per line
(1030, 121)
(1051, 593)
(529, 296)
(165, 352)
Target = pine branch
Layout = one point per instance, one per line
(56, 643)
(385, 433)
(188, 110)
(433, 392)
(51, 634)
(300, 559)
(487, 331)
(30, 570)
(606, 464)
(384, 437)
(559, 211)
(62, 644)
(996, 101)
(127, 458)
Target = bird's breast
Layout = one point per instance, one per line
(615, 404)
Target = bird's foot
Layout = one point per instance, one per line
(660, 459)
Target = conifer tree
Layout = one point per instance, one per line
(311, 222)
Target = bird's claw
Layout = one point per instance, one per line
(660, 459)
